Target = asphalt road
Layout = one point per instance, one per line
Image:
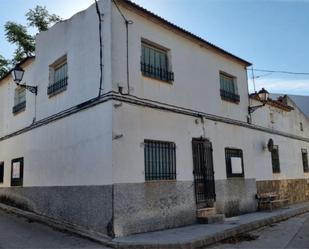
(17, 232)
(289, 234)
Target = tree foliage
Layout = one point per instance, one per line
(17, 34)
(40, 18)
(4, 66)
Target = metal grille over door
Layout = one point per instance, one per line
(203, 173)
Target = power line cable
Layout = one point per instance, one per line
(283, 72)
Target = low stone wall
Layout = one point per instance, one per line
(150, 206)
(86, 206)
(296, 190)
(235, 196)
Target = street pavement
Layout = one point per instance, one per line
(20, 233)
(289, 234)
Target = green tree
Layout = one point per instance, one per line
(17, 34)
(4, 66)
(40, 18)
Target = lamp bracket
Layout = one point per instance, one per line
(252, 109)
(33, 89)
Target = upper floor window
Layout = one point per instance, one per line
(304, 154)
(19, 100)
(228, 88)
(155, 63)
(275, 159)
(160, 160)
(58, 77)
(234, 162)
(301, 126)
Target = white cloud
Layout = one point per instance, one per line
(293, 86)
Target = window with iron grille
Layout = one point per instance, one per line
(1, 172)
(58, 77)
(304, 154)
(228, 88)
(154, 63)
(160, 160)
(19, 100)
(234, 162)
(275, 159)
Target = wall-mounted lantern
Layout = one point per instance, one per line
(18, 74)
(263, 97)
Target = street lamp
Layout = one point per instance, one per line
(18, 74)
(263, 97)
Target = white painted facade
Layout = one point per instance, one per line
(102, 144)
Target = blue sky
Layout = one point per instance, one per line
(271, 34)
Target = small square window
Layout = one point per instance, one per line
(155, 63)
(1, 172)
(275, 159)
(17, 172)
(228, 88)
(19, 100)
(304, 154)
(234, 162)
(58, 77)
(160, 160)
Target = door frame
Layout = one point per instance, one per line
(203, 172)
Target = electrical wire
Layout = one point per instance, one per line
(283, 72)
(101, 46)
(127, 22)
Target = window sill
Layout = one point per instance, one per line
(230, 101)
(157, 79)
(158, 181)
(20, 111)
(236, 176)
(60, 90)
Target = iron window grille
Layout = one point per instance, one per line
(59, 77)
(228, 88)
(19, 107)
(57, 86)
(160, 160)
(275, 159)
(1, 172)
(305, 160)
(19, 100)
(233, 153)
(155, 64)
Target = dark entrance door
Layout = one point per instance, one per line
(203, 173)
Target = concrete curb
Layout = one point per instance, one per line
(217, 237)
(59, 225)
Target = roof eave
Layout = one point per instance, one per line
(129, 4)
(19, 64)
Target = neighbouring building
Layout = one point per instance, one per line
(165, 133)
